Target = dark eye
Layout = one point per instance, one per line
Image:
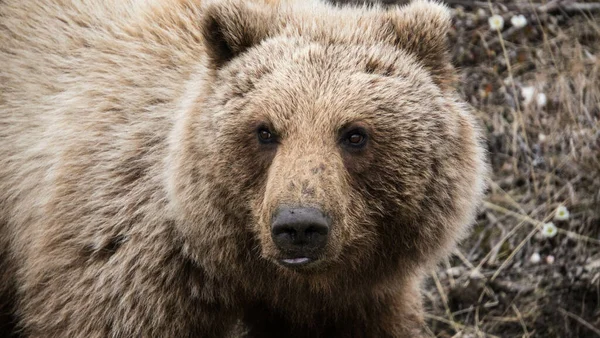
(355, 138)
(265, 135)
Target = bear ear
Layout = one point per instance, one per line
(421, 28)
(231, 27)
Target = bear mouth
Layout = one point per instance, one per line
(297, 262)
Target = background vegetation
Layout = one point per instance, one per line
(536, 87)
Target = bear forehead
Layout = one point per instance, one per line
(301, 60)
(303, 79)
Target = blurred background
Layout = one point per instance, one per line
(531, 267)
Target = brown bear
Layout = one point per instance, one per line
(172, 168)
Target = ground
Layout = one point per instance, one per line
(508, 279)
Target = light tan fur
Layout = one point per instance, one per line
(135, 199)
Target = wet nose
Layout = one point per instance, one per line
(300, 230)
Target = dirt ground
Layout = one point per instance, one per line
(537, 92)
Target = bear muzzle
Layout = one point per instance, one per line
(300, 233)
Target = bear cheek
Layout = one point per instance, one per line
(358, 162)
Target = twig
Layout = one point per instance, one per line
(512, 287)
(467, 3)
(547, 6)
(518, 313)
(461, 326)
(580, 320)
(508, 197)
(492, 206)
(455, 325)
(514, 253)
(443, 320)
(429, 331)
(505, 35)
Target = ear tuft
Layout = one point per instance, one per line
(231, 27)
(421, 28)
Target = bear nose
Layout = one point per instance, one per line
(300, 231)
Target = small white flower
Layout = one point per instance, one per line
(527, 93)
(541, 100)
(562, 213)
(542, 137)
(535, 258)
(518, 21)
(496, 22)
(454, 271)
(549, 230)
(476, 274)
(549, 259)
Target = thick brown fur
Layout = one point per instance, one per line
(136, 200)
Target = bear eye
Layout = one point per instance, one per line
(355, 138)
(265, 135)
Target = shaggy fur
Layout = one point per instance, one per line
(136, 200)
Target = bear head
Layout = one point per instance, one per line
(327, 140)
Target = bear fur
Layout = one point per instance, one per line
(136, 199)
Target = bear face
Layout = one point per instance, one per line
(335, 140)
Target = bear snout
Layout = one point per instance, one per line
(300, 233)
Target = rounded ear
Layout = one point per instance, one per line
(421, 28)
(231, 27)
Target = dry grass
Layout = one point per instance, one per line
(542, 157)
